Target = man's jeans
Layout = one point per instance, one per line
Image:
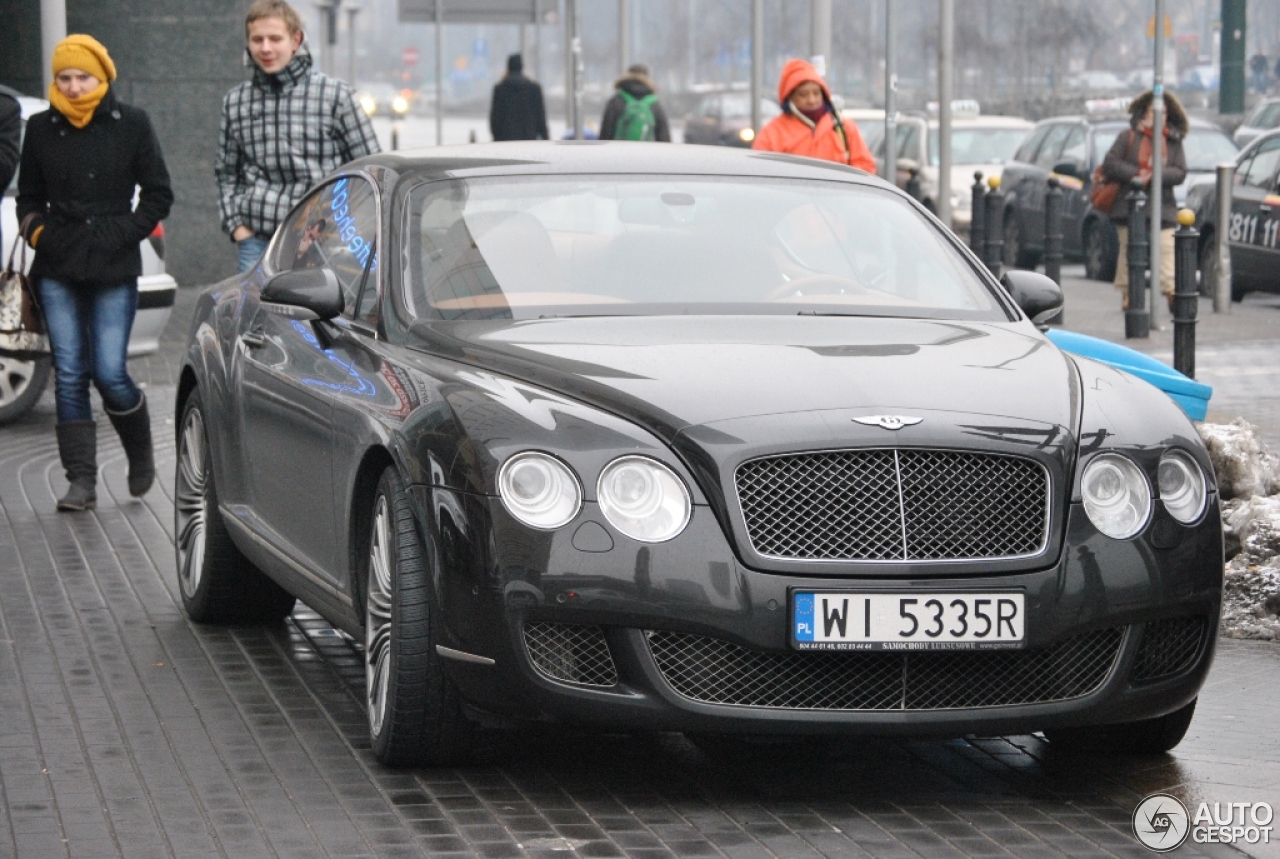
(89, 330)
(251, 250)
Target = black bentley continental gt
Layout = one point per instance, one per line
(689, 439)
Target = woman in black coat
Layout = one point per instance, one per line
(81, 162)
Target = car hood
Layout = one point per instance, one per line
(672, 373)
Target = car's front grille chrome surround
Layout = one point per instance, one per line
(714, 671)
(1169, 647)
(568, 653)
(895, 505)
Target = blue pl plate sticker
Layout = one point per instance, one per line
(803, 617)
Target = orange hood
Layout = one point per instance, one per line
(796, 72)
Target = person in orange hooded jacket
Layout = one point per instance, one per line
(809, 124)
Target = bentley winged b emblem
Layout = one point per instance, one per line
(889, 422)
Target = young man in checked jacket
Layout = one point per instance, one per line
(282, 131)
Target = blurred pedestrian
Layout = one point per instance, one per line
(1130, 159)
(282, 131)
(517, 111)
(81, 161)
(1258, 72)
(634, 112)
(10, 141)
(809, 124)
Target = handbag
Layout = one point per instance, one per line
(1104, 191)
(22, 330)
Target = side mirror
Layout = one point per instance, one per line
(1068, 168)
(1038, 296)
(314, 289)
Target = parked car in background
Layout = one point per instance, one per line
(677, 439)
(724, 119)
(1264, 117)
(23, 381)
(1070, 147)
(978, 142)
(870, 122)
(1097, 81)
(1255, 220)
(1199, 79)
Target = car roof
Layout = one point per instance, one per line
(608, 157)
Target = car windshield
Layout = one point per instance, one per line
(1206, 148)
(1266, 116)
(739, 107)
(528, 247)
(978, 145)
(1103, 137)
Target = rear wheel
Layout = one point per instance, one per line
(1100, 252)
(1210, 269)
(21, 384)
(1144, 737)
(1015, 255)
(218, 583)
(415, 711)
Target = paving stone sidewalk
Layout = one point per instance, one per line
(127, 731)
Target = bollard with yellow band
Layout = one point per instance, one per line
(1186, 298)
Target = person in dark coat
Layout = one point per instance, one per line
(81, 161)
(517, 111)
(637, 84)
(10, 141)
(1130, 159)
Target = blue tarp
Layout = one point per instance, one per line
(1190, 395)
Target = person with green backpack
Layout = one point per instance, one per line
(634, 112)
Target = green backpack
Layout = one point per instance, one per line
(637, 121)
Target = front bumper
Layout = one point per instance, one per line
(580, 625)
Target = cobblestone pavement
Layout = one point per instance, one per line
(126, 730)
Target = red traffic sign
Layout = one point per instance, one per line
(410, 56)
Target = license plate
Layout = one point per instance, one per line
(918, 621)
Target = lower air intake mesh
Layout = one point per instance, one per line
(570, 654)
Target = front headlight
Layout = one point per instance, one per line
(1182, 486)
(368, 104)
(747, 135)
(400, 104)
(1116, 496)
(643, 499)
(539, 490)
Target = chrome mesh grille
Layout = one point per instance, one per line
(894, 505)
(1169, 647)
(719, 672)
(570, 654)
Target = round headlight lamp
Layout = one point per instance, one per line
(539, 490)
(1116, 495)
(643, 499)
(1182, 487)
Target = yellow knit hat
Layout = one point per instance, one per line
(86, 53)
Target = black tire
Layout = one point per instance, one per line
(414, 710)
(218, 583)
(1101, 253)
(1208, 264)
(21, 385)
(1146, 737)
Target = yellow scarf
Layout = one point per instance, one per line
(78, 111)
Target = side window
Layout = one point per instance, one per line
(1027, 150)
(909, 141)
(1073, 150)
(335, 228)
(1052, 146)
(1263, 167)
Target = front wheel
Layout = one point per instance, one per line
(1144, 737)
(415, 711)
(1015, 255)
(218, 583)
(1101, 253)
(21, 384)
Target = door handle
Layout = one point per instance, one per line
(253, 338)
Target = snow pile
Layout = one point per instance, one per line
(1249, 485)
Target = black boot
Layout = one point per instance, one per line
(78, 449)
(134, 429)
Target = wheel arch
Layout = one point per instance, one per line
(364, 488)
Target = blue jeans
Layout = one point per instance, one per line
(251, 250)
(89, 329)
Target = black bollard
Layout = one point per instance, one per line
(913, 184)
(395, 136)
(977, 235)
(995, 227)
(1053, 239)
(1137, 320)
(1186, 298)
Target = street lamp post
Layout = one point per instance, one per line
(1157, 166)
(352, 12)
(890, 96)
